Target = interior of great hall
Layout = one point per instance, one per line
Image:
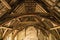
(29, 19)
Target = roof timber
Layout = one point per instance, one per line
(5, 32)
(47, 8)
(6, 4)
(45, 28)
(12, 8)
(55, 28)
(16, 16)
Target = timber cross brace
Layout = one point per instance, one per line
(42, 14)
